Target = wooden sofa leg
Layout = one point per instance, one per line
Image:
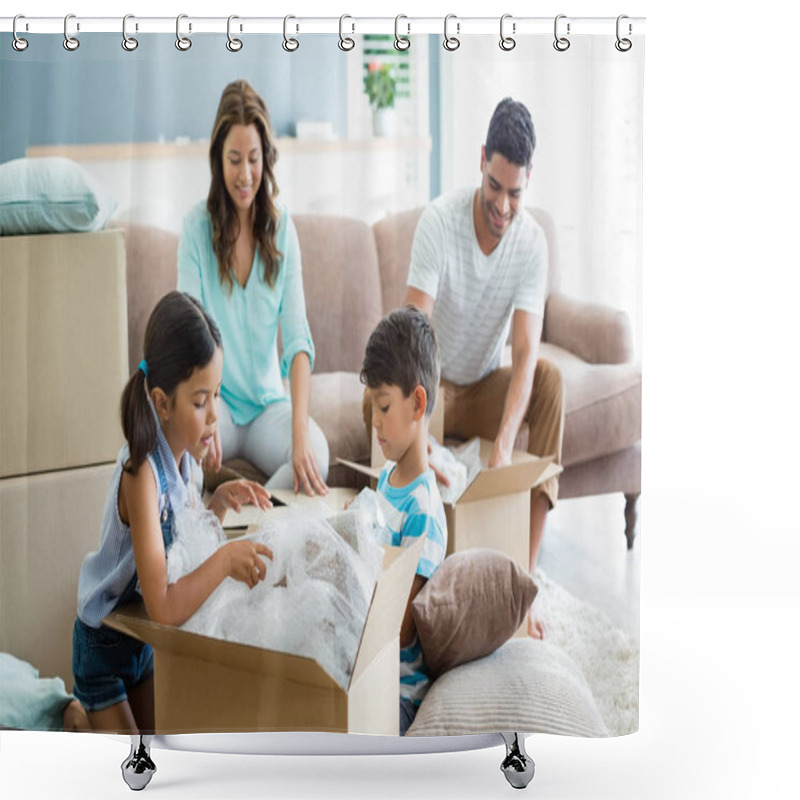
(631, 516)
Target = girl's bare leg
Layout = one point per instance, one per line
(142, 704)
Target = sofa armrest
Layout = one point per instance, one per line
(597, 334)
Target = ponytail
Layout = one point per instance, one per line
(138, 422)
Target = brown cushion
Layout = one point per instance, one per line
(471, 605)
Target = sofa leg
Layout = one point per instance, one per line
(631, 517)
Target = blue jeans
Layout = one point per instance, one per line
(407, 713)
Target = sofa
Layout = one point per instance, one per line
(354, 273)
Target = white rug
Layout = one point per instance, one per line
(608, 657)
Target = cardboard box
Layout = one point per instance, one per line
(48, 523)
(63, 350)
(210, 685)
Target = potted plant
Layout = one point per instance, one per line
(380, 86)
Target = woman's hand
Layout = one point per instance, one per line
(245, 563)
(235, 494)
(304, 462)
(213, 460)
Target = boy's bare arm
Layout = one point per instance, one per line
(408, 630)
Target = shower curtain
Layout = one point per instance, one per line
(385, 190)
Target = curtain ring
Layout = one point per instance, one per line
(289, 45)
(506, 42)
(128, 42)
(451, 42)
(183, 43)
(18, 43)
(70, 42)
(345, 42)
(233, 44)
(623, 45)
(401, 42)
(561, 43)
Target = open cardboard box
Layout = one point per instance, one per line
(211, 685)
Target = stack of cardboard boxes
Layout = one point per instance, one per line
(63, 364)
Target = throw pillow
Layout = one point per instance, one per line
(527, 685)
(471, 605)
(51, 195)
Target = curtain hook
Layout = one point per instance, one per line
(289, 45)
(623, 45)
(70, 42)
(128, 42)
(401, 42)
(183, 43)
(346, 43)
(506, 42)
(451, 42)
(233, 44)
(19, 44)
(561, 43)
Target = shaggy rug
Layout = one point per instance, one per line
(608, 657)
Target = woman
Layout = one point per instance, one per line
(239, 255)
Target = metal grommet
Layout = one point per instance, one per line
(345, 42)
(183, 43)
(506, 42)
(623, 45)
(18, 43)
(128, 42)
(451, 42)
(233, 44)
(401, 42)
(289, 45)
(70, 42)
(561, 43)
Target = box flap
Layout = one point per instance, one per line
(373, 472)
(524, 472)
(132, 620)
(389, 603)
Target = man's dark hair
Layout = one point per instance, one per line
(511, 133)
(402, 351)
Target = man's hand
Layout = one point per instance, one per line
(440, 476)
(501, 454)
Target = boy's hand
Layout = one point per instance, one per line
(235, 494)
(245, 563)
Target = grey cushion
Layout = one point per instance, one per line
(527, 685)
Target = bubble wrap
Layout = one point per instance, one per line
(459, 465)
(316, 594)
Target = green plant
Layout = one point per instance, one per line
(380, 85)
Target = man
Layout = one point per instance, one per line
(478, 264)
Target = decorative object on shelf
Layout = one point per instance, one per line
(380, 87)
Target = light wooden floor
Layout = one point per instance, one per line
(584, 550)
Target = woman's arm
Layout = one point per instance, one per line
(306, 470)
(173, 604)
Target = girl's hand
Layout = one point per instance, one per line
(304, 462)
(213, 460)
(235, 494)
(245, 563)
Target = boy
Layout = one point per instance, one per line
(401, 369)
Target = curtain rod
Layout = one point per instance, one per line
(348, 25)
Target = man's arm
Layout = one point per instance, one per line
(526, 330)
(422, 300)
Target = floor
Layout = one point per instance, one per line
(584, 550)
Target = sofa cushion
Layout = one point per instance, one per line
(526, 685)
(471, 605)
(604, 406)
(342, 288)
(336, 407)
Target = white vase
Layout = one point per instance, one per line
(384, 122)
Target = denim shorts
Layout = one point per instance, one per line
(105, 664)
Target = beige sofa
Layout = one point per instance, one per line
(354, 273)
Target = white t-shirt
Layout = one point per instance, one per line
(475, 294)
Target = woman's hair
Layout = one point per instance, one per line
(240, 104)
(180, 337)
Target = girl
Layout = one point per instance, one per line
(239, 255)
(169, 416)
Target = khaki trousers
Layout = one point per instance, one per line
(477, 409)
